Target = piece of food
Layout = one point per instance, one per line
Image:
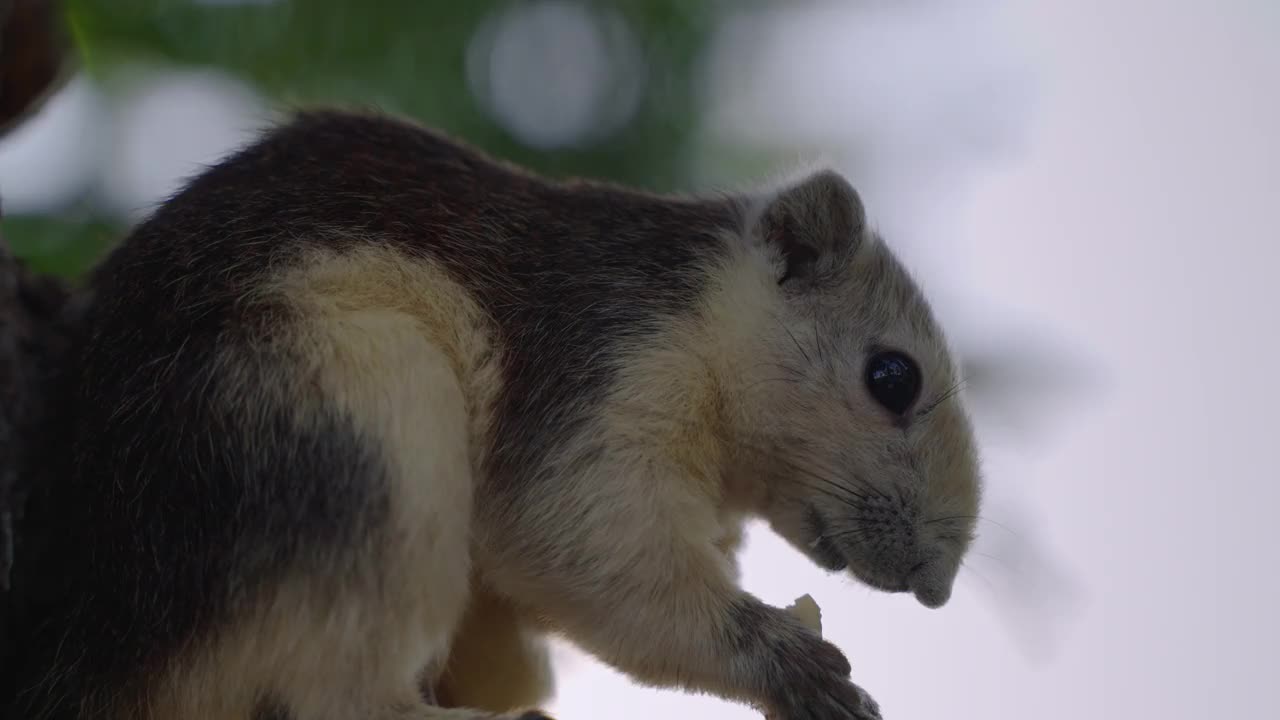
(807, 611)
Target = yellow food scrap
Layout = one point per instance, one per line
(807, 612)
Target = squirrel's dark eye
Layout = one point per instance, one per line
(893, 379)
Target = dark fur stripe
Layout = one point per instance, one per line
(175, 509)
(272, 709)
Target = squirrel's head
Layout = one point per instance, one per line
(848, 420)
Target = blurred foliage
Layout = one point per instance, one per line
(403, 56)
(65, 246)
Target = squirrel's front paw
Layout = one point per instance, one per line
(814, 684)
(838, 699)
(844, 701)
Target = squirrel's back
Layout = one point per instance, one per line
(216, 447)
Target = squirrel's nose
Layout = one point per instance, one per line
(931, 583)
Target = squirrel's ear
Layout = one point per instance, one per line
(810, 223)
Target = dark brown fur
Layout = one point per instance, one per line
(141, 574)
(270, 392)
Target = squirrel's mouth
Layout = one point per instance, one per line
(830, 557)
(822, 549)
(828, 554)
(825, 553)
(879, 583)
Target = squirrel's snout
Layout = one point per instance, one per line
(931, 583)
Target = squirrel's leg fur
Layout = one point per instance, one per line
(642, 580)
(498, 662)
(336, 648)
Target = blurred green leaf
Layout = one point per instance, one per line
(402, 56)
(406, 56)
(65, 246)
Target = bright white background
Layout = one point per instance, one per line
(1091, 184)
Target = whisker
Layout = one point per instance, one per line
(828, 486)
(952, 538)
(833, 484)
(937, 402)
(762, 381)
(823, 352)
(832, 488)
(952, 518)
(851, 499)
(809, 472)
(795, 340)
(854, 532)
(1004, 563)
(990, 585)
(784, 368)
(764, 445)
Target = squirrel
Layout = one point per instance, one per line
(496, 662)
(358, 374)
